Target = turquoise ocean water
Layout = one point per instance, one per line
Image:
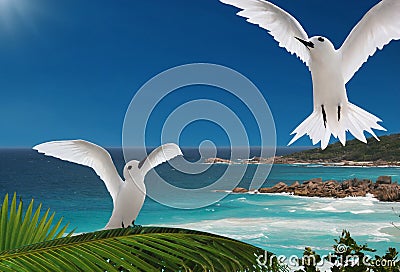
(283, 224)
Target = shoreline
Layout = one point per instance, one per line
(293, 161)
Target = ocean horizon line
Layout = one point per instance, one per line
(183, 147)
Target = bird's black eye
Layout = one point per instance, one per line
(129, 167)
(320, 39)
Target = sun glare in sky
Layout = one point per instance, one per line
(13, 13)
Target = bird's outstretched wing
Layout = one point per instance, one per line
(158, 156)
(378, 27)
(280, 24)
(88, 154)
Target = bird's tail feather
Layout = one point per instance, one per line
(353, 119)
(314, 127)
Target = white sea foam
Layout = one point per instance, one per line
(354, 205)
(338, 208)
(328, 209)
(362, 211)
(248, 236)
(368, 197)
(301, 247)
(262, 220)
(278, 194)
(295, 230)
(313, 165)
(221, 191)
(378, 239)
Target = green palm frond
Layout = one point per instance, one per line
(136, 249)
(18, 229)
(30, 242)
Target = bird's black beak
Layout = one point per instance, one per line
(307, 44)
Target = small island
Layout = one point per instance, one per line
(385, 152)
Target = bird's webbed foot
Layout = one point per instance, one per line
(134, 225)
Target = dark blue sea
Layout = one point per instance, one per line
(281, 223)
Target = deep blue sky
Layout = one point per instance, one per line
(69, 68)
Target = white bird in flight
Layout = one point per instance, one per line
(128, 195)
(330, 68)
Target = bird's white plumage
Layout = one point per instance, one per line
(159, 155)
(129, 195)
(88, 154)
(379, 26)
(280, 24)
(331, 69)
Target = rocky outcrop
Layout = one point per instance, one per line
(384, 180)
(387, 192)
(239, 190)
(383, 189)
(278, 188)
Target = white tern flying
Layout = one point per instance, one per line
(128, 195)
(330, 68)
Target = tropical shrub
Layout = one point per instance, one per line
(349, 256)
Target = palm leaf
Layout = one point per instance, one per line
(137, 249)
(31, 242)
(18, 230)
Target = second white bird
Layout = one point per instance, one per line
(330, 69)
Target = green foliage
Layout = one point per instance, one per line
(352, 257)
(387, 149)
(310, 258)
(135, 249)
(29, 243)
(18, 229)
(390, 256)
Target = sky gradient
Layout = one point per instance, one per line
(69, 68)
